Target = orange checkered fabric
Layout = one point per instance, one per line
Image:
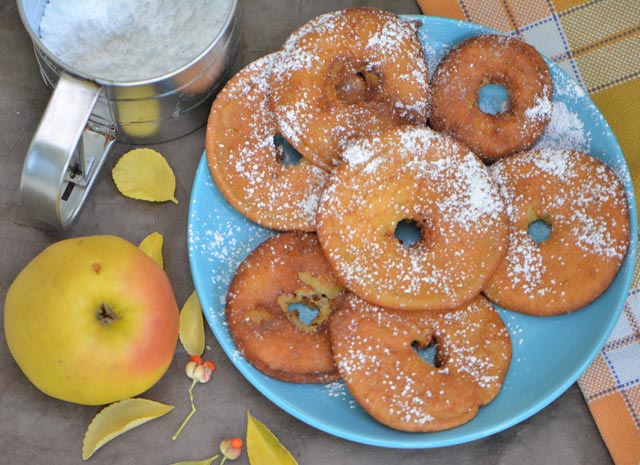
(597, 42)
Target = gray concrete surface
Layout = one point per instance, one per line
(36, 429)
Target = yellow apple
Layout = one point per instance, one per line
(92, 320)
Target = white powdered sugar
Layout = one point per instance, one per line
(541, 109)
(127, 40)
(419, 174)
(474, 202)
(549, 162)
(433, 55)
(584, 204)
(473, 197)
(314, 116)
(247, 164)
(565, 130)
(372, 348)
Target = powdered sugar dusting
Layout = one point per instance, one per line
(569, 128)
(313, 115)
(372, 349)
(583, 202)
(246, 163)
(565, 130)
(432, 53)
(422, 175)
(214, 237)
(541, 109)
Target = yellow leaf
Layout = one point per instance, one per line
(192, 326)
(152, 246)
(144, 174)
(263, 448)
(119, 418)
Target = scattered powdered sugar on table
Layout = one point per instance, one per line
(129, 40)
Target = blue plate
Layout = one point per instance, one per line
(549, 354)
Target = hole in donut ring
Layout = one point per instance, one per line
(493, 98)
(428, 351)
(411, 232)
(539, 231)
(305, 310)
(285, 153)
(355, 87)
(305, 313)
(538, 226)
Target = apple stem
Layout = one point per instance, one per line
(191, 413)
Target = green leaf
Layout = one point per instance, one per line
(192, 326)
(119, 418)
(263, 447)
(152, 246)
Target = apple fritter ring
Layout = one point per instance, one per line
(492, 59)
(347, 74)
(376, 351)
(584, 206)
(247, 163)
(416, 175)
(286, 270)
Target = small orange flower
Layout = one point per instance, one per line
(198, 370)
(231, 449)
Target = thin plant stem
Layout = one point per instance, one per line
(191, 413)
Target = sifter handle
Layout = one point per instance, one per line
(65, 154)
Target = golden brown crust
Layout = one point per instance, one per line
(286, 268)
(347, 74)
(246, 163)
(411, 173)
(585, 204)
(500, 60)
(374, 351)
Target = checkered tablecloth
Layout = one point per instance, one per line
(597, 42)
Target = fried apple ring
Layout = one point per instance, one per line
(347, 74)
(286, 269)
(418, 175)
(375, 351)
(492, 59)
(246, 163)
(584, 204)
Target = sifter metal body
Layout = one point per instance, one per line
(86, 115)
